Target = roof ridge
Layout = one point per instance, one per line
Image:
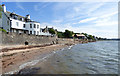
(15, 13)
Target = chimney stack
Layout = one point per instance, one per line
(4, 7)
(28, 16)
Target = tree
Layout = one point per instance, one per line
(99, 38)
(91, 37)
(52, 31)
(68, 34)
(60, 34)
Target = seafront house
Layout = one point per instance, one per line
(12, 22)
(80, 36)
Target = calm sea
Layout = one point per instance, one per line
(99, 57)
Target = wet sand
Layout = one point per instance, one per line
(12, 59)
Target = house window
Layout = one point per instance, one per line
(37, 26)
(30, 25)
(23, 25)
(30, 32)
(35, 32)
(17, 23)
(34, 25)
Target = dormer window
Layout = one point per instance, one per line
(12, 16)
(15, 17)
(21, 19)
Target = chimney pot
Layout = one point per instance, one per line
(4, 7)
(3, 4)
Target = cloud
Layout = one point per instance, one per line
(86, 8)
(103, 22)
(112, 23)
(100, 20)
(110, 14)
(87, 20)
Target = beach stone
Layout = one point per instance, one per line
(58, 61)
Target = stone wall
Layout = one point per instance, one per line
(65, 41)
(70, 41)
(20, 39)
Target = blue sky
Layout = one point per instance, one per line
(96, 18)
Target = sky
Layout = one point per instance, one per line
(96, 18)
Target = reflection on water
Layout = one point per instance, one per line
(93, 58)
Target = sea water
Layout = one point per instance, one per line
(99, 57)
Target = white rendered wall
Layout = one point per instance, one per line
(33, 29)
(20, 24)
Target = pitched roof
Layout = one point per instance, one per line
(18, 17)
(13, 13)
(80, 35)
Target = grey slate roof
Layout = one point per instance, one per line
(18, 17)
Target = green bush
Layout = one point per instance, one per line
(3, 30)
(0, 11)
(60, 34)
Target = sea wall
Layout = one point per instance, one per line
(64, 41)
(70, 41)
(20, 39)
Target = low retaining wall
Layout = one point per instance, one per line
(20, 39)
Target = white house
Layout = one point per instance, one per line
(12, 22)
